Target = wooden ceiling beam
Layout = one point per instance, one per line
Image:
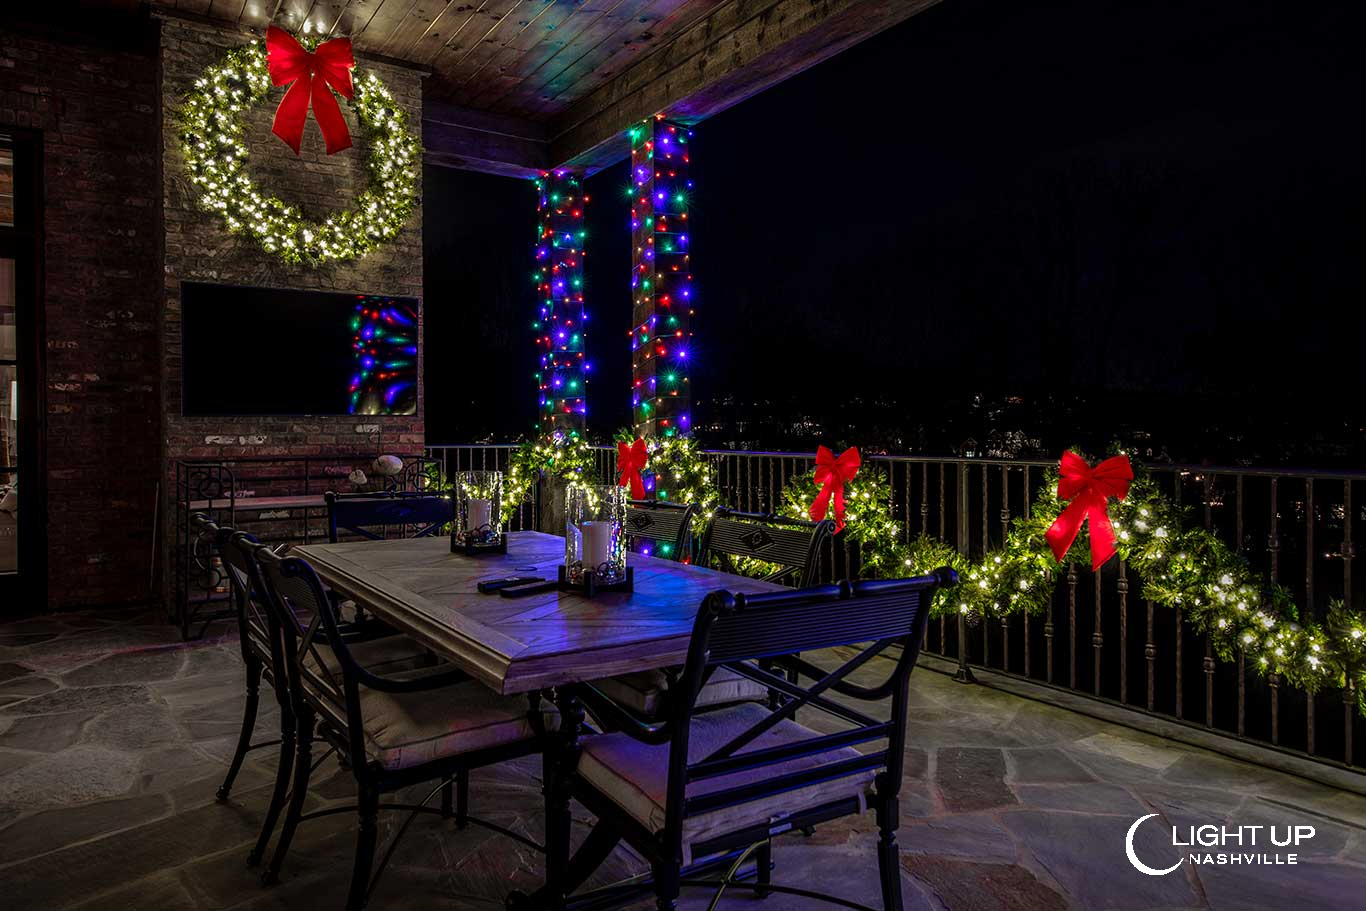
(457, 137)
(740, 49)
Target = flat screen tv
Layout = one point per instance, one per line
(259, 351)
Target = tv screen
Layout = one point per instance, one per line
(256, 351)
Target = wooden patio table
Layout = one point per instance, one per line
(515, 645)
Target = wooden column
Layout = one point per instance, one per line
(661, 279)
(562, 378)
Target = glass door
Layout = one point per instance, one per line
(23, 546)
(9, 409)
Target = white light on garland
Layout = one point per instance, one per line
(216, 154)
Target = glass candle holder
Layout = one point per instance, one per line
(594, 533)
(478, 516)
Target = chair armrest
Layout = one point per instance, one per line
(410, 684)
(617, 718)
(843, 687)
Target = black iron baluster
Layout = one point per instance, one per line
(925, 499)
(1273, 539)
(986, 640)
(1048, 640)
(1208, 665)
(1310, 612)
(1005, 503)
(1072, 625)
(1348, 550)
(961, 511)
(1238, 514)
(1179, 694)
(1309, 549)
(1150, 654)
(1097, 637)
(1122, 585)
(1349, 711)
(943, 469)
(749, 484)
(1274, 682)
(1273, 546)
(986, 508)
(1242, 693)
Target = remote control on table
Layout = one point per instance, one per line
(530, 588)
(488, 586)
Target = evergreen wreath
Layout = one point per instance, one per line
(216, 155)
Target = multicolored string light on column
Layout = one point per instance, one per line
(563, 376)
(661, 278)
(384, 345)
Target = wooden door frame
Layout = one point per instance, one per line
(24, 244)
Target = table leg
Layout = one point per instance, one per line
(559, 761)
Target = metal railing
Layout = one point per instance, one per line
(1100, 638)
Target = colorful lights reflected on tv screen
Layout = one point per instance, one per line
(261, 351)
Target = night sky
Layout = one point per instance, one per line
(1156, 207)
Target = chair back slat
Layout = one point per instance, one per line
(736, 630)
(360, 515)
(760, 630)
(792, 544)
(296, 594)
(664, 523)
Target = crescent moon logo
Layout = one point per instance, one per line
(1139, 865)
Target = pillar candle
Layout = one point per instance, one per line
(597, 543)
(477, 513)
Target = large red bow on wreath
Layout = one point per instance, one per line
(312, 74)
(631, 459)
(833, 474)
(1089, 490)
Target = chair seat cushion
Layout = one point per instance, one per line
(383, 656)
(407, 729)
(643, 692)
(634, 775)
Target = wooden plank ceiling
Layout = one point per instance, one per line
(520, 85)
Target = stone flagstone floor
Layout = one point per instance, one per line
(114, 737)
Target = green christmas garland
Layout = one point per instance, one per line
(1179, 567)
(565, 456)
(681, 473)
(869, 524)
(216, 154)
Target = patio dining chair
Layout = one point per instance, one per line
(791, 547)
(371, 516)
(417, 515)
(262, 655)
(703, 789)
(395, 728)
(669, 526)
(254, 640)
(666, 526)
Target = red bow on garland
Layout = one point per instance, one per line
(1089, 490)
(833, 474)
(631, 460)
(329, 65)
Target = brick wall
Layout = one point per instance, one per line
(121, 232)
(198, 248)
(95, 101)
